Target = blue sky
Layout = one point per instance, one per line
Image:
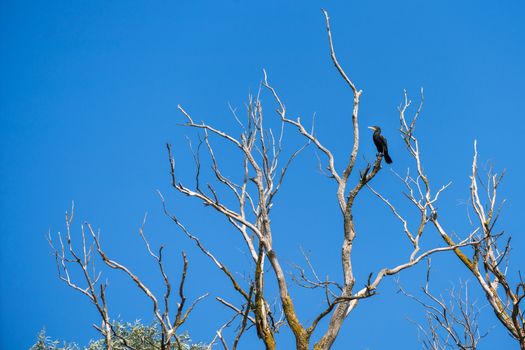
(88, 96)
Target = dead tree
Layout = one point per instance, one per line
(487, 260)
(263, 173)
(69, 258)
(451, 321)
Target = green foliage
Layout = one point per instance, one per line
(136, 335)
(45, 342)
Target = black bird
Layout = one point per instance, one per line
(380, 142)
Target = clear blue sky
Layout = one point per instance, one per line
(88, 96)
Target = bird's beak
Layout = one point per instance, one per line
(371, 127)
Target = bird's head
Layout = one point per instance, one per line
(375, 128)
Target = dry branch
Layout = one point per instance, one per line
(66, 255)
(488, 253)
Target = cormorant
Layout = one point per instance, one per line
(380, 142)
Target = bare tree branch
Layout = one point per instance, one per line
(487, 256)
(449, 322)
(98, 298)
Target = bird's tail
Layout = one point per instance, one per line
(387, 158)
